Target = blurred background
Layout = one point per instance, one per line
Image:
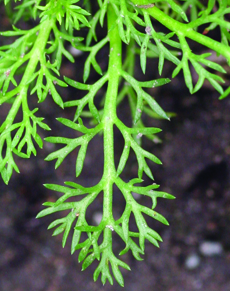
(195, 151)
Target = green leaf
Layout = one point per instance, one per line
(212, 65)
(103, 10)
(152, 240)
(154, 215)
(88, 261)
(69, 221)
(75, 240)
(59, 230)
(154, 83)
(177, 9)
(49, 210)
(43, 125)
(217, 86)
(6, 2)
(143, 52)
(56, 97)
(151, 157)
(38, 140)
(154, 234)
(142, 166)
(177, 70)
(187, 75)
(94, 111)
(81, 158)
(17, 136)
(20, 154)
(92, 34)
(89, 228)
(76, 84)
(73, 125)
(56, 187)
(225, 94)
(96, 67)
(155, 106)
(103, 268)
(60, 155)
(139, 107)
(144, 130)
(125, 223)
(55, 222)
(117, 274)
(86, 70)
(135, 181)
(199, 84)
(123, 159)
(121, 30)
(84, 251)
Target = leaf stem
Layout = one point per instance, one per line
(110, 116)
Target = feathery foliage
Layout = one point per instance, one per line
(130, 32)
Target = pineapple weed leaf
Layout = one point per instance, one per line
(30, 65)
(29, 55)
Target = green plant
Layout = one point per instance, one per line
(27, 59)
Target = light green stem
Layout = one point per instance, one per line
(184, 29)
(110, 116)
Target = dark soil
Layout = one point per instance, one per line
(196, 169)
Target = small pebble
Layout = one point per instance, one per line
(209, 248)
(75, 52)
(148, 30)
(97, 217)
(192, 262)
(136, 196)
